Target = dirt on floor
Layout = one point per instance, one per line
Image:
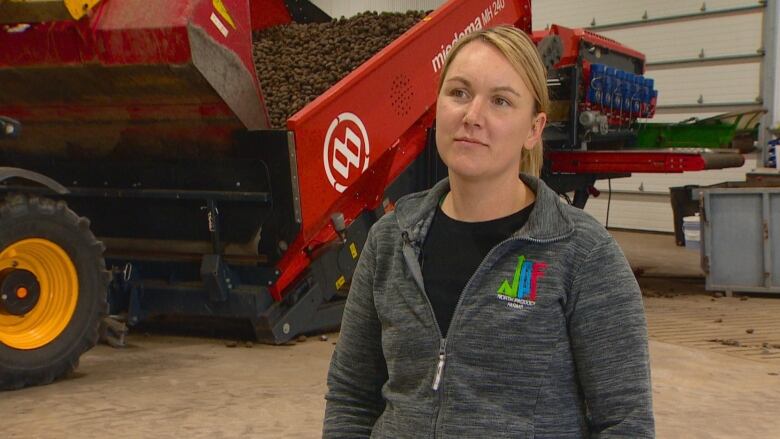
(715, 361)
(715, 370)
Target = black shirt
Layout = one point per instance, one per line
(452, 252)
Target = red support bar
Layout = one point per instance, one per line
(604, 162)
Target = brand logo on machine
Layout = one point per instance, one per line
(346, 150)
(521, 293)
(474, 24)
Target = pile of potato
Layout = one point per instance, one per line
(298, 62)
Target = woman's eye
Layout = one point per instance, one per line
(458, 93)
(501, 101)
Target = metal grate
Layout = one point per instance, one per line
(401, 95)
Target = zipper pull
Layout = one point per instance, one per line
(439, 365)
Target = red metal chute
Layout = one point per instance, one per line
(267, 13)
(134, 74)
(387, 104)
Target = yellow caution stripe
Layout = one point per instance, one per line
(223, 12)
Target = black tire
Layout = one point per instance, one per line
(23, 217)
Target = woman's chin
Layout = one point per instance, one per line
(468, 173)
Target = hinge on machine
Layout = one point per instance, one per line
(212, 218)
(215, 276)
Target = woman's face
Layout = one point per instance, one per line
(484, 115)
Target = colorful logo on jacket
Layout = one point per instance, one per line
(521, 292)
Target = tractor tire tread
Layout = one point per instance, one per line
(19, 205)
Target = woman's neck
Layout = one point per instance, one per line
(472, 201)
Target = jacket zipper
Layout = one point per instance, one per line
(440, 364)
(442, 358)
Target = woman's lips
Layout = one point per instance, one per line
(469, 141)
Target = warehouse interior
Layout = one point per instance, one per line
(187, 187)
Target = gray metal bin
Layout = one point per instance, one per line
(741, 239)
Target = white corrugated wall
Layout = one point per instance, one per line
(581, 13)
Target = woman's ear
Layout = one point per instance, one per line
(535, 133)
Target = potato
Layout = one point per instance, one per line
(298, 62)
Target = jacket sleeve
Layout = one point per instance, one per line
(357, 369)
(609, 341)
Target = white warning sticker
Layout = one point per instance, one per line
(220, 26)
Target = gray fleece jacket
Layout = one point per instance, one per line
(549, 338)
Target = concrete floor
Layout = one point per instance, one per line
(169, 387)
(657, 255)
(178, 387)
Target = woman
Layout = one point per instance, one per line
(485, 307)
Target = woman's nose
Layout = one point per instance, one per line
(473, 115)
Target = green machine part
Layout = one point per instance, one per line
(728, 130)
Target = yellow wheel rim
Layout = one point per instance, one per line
(59, 291)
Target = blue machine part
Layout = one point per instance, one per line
(617, 94)
(637, 94)
(609, 87)
(620, 91)
(596, 83)
(650, 94)
(627, 90)
(653, 96)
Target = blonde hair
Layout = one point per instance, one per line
(518, 48)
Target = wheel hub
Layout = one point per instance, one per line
(41, 289)
(19, 291)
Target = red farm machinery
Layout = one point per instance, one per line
(141, 176)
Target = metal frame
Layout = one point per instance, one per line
(160, 194)
(668, 18)
(768, 88)
(48, 184)
(742, 104)
(296, 190)
(709, 233)
(724, 59)
(584, 49)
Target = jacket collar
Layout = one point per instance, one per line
(548, 220)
